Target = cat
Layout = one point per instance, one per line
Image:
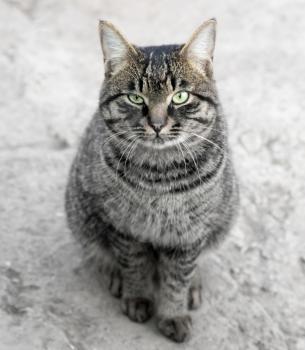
(152, 185)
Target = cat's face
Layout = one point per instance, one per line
(160, 95)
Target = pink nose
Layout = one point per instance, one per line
(157, 126)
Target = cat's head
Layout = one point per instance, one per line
(158, 95)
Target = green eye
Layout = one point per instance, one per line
(136, 99)
(180, 97)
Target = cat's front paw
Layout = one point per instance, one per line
(176, 328)
(137, 309)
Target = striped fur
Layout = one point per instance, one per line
(147, 207)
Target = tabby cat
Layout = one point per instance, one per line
(152, 185)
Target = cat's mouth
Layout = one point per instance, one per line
(160, 136)
(161, 132)
(155, 138)
(160, 139)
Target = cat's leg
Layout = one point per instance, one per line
(135, 263)
(195, 291)
(92, 232)
(176, 271)
(95, 254)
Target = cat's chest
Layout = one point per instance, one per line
(164, 219)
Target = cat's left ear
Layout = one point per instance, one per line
(199, 49)
(116, 49)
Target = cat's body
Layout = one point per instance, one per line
(152, 184)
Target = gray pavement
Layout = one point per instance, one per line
(50, 73)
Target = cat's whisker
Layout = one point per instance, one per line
(120, 142)
(122, 155)
(191, 154)
(183, 156)
(203, 138)
(134, 144)
(205, 128)
(113, 136)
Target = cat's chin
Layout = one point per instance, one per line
(159, 140)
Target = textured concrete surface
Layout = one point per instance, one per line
(50, 72)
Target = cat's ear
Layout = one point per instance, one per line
(116, 49)
(199, 49)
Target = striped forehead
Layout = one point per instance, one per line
(158, 75)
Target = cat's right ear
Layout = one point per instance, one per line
(116, 49)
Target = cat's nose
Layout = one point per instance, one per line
(157, 117)
(157, 126)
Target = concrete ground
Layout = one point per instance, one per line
(50, 73)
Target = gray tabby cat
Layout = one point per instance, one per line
(152, 185)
